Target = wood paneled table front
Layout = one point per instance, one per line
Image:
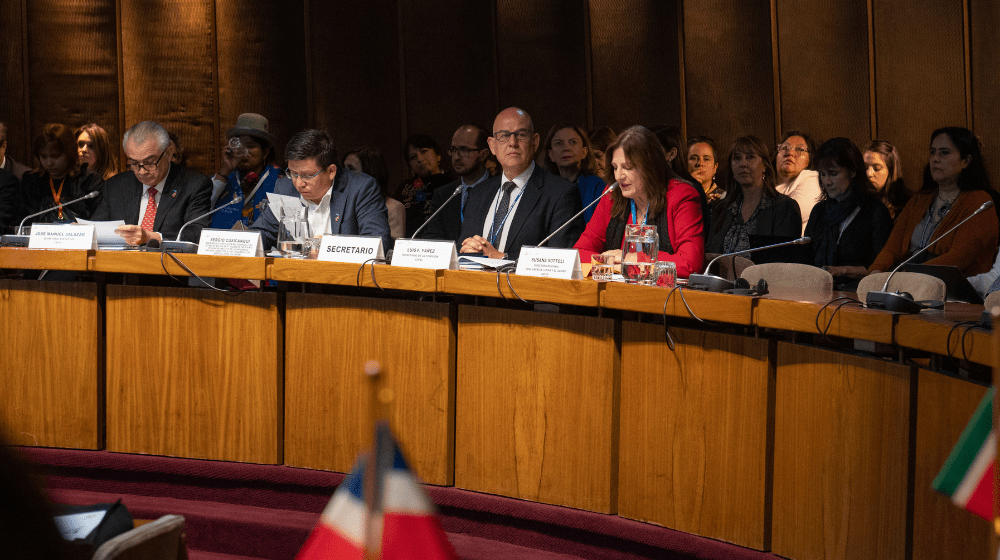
(938, 331)
(795, 310)
(724, 308)
(160, 264)
(43, 259)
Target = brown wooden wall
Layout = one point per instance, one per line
(375, 71)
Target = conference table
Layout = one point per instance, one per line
(726, 416)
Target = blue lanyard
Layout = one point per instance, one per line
(644, 218)
(499, 228)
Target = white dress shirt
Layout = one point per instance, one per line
(515, 198)
(319, 214)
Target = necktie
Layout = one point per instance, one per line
(150, 216)
(501, 212)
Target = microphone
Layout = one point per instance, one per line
(607, 191)
(712, 283)
(19, 240)
(897, 301)
(178, 246)
(458, 190)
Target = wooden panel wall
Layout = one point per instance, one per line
(373, 72)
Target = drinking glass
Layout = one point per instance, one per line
(642, 244)
(664, 275)
(293, 230)
(602, 267)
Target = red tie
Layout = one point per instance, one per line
(150, 216)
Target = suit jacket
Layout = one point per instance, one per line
(9, 188)
(781, 219)
(447, 224)
(356, 208)
(547, 202)
(186, 195)
(36, 195)
(15, 168)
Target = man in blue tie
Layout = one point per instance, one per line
(468, 152)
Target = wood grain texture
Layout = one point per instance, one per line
(38, 259)
(940, 529)
(479, 283)
(840, 456)
(536, 407)
(934, 331)
(726, 308)
(328, 341)
(53, 382)
(14, 76)
(349, 274)
(135, 262)
(193, 373)
(694, 433)
(850, 322)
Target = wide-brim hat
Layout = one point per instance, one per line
(254, 125)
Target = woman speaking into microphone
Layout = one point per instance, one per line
(649, 193)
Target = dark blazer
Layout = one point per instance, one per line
(9, 188)
(15, 168)
(862, 239)
(781, 219)
(356, 208)
(447, 224)
(548, 201)
(36, 195)
(186, 195)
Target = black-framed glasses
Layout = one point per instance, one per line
(522, 135)
(292, 176)
(137, 167)
(463, 151)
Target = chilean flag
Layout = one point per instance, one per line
(401, 525)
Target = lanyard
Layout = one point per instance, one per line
(499, 228)
(644, 218)
(57, 194)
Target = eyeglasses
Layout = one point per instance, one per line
(522, 135)
(137, 167)
(463, 151)
(786, 149)
(292, 176)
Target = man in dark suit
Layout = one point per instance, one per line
(6, 163)
(155, 198)
(9, 193)
(340, 202)
(522, 205)
(468, 152)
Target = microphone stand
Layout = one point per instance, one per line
(712, 283)
(19, 240)
(458, 191)
(178, 246)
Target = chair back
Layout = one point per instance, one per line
(992, 300)
(162, 539)
(791, 275)
(729, 268)
(921, 286)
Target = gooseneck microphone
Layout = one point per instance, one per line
(712, 283)
(896, 301)
(458, 190)
(178, 246)
(19, 240)
(606, 192)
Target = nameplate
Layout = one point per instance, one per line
(419, 253)
(350, 248)
(546, 262)
(62, 236)
(230, 243)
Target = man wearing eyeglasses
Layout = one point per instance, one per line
(468, 152)
(340, 201)
(154, 198)
(523, 204)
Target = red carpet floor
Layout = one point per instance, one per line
(236, 511)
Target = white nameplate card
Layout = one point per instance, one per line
(350, 248)
(62, 236)
(546, 262)
(419, 253)
(230, 243)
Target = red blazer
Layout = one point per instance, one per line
(684, 224)
(971, 247)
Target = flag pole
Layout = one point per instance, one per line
(379, 398)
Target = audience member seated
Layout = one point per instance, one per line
(179, 157)
(423, 154)
(93, 146)
(703, 163)
(369, 161)
(340, 201)
(797, 177)
(987, 282)
(10, 191)
(850, 225)
(58, 179)
(955, 185)
(251, 174)
(752, 206)
(155, 198)
(567, 153)
(650, 193)
(522, 205)
(469, 150)
(600, 138)
(675, 148)
(6, 162)
(885, 170)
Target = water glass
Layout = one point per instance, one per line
(642, 245)
(602, 267)
(664, 275)
(293, 230)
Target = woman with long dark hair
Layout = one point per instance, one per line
(57, 179)
(885, 171)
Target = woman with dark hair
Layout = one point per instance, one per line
(885, 171)
(423, 154)
(752, 205)
(57, 179)
(955, 185)
(703, 163)
(673, 144)
(850, 225)
(95, 149)
(650, 193)
(600, 138)
(369, 161)
(797, 175)
(566, 152)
